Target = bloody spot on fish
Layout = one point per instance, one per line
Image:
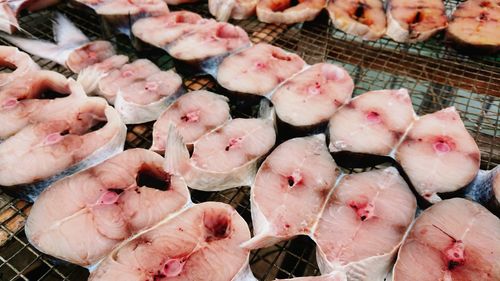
(287, 225)
(485, 4)
(192, 116)
(483, 16)
(363, 210)
(227, 31)
(217, 226)
(153, 177)
(373, 117)
(443, 145)
(115, 190)
(233, 142)
(290, 181)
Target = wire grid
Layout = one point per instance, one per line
(433, 73)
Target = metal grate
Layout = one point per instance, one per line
(436, 76)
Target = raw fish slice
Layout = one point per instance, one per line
(20, 62)
(363, 224)
(163, 30)
(8, 19)
(194, 115)
(485, 189)
(223, 10)
(373, 122)
(24, 100)
(474, 27)
(414, 21)
(224, 158)
(218, 40)
(87, 133)
(10, 9)
(334, 276)
(299, 172)
(258, 69)
(201, 243)
(364, 18)
(89, 54)
(284, 11)
(313, 96)
(108, 203)
(439, 155)
(455, 239)
(90, 76)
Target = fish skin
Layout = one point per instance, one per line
(31, 184)
(415, 21)
(223, 10)
(423, 253)
(370, 25)
(485, 189)
(280, 11)
(54, 229)
(190, 237)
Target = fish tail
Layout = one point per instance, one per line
(176, 153)
(38, 47)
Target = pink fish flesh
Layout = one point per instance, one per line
(313, 96)
(20, 62)
(163, 30)
(223, 10)
(109, 203)
(90, 76)
(284, 11)
(258, 70)
(201, 243)
(10, 10)
(194, 115)
(455, 239)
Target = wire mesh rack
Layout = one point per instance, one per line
(435, 75)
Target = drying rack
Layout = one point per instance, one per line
(435, 75)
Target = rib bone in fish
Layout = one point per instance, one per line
(283, 11)
(438, 154)
(416, 20)
(485, 189)
(363, 224)
(87, 133)
(10, 9)
(224, 158)
(373, 122)
(299, 172)
(223, 10)
(108, 203)
(201, 243)
(25, 100)
(455, 239)
(163, 30)
(20, 62)
(364, 18)
(311, 97)
(258, 70)
(73, 49)
(474, 27)
(194, 115)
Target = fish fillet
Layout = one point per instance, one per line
(288, 12)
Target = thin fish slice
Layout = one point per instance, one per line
(202, 243)
(20, 62)
(194, 115)
(474, 27)
(299, 172)
(87, 133)
(258, 69)
(373, 122)
(455, 239)
(439, 155)
(364, 18)
(313, 96)
(223, 10)
(163, 30)
(415, 21)
(363, 224)
(103, 206)
(288, 12)
(226, 157)
(25, 100)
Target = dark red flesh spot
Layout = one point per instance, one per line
(192, 116)
(485, 4)
(153, 177)
(417, 18)
(360, 10)
(364, 210)
(483, 16)
(233, 142)
(291, 182)
(455, 254)
(218, 226)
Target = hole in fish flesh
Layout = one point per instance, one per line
(153, 177)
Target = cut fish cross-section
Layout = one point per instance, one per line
(285, 12)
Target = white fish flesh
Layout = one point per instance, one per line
(90, 76)
(19, 62)
(455, 239)
(363, 224)
(25, 100)
(224, 158)
(299, 172)
(223, 10)
(373, 122)
(285, 12)
(10, 9)
(485, 189)
(73, 49)
(258, 70)
(313, 96)
(438, 154)
(415, 20)
(163, 30)
(87, 133)
(108, 203)
(474, 27)
(194, 115)
(333, 276)
(364, 18)
(201, 243)
(218, 40)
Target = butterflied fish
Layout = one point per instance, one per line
(288, 12)
(223, 10)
